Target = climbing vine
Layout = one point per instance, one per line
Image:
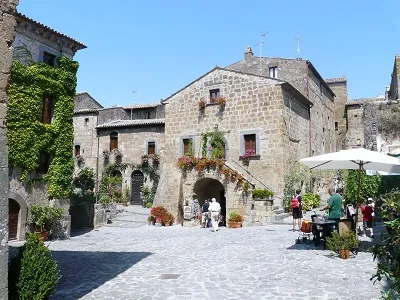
(28, 136)
(217, 142)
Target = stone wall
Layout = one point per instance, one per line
(339, 87)
(132, 141)
(85, 135)
(83, 101)
(7, 29)
(255, 105)
(113, 113)
(355, 127)
(395, 80)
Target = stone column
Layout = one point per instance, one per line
(7, 34)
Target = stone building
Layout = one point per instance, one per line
(35, 42)
(266, 115)
(108, 136)
(7, 29)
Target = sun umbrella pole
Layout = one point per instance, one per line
(358, 195)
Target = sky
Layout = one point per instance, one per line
(144, 51)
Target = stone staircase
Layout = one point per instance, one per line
(132, 216)
(280, 214)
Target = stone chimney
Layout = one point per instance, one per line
(248, 54)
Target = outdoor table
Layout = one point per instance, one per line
(325, 225)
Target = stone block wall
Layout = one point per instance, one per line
(355, 127)
(113, 113)
(253, 104)
(7, 29)
(395, 81)
(339, 87)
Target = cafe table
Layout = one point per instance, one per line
(324, 224)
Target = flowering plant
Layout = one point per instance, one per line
(156, 158)
(248, 153)
(116, 152)
(79, 159)
(202, 104)
(106, 153)
(185, 162)
(158, 211)
(221, 101)
(225, 171)
(145, 158)
(234, 174)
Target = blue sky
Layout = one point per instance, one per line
(143, 51)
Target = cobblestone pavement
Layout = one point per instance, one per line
(246, 263)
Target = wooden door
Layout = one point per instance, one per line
(136, 185)
(13, 212)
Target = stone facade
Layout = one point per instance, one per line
(395, 80)
(33, 41)
(272, 109)
(305, 78)
(7, 28)
(355, 126)
(339, 87)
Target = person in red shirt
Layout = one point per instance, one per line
(367, 211)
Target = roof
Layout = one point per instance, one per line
(86, 111)
(78, 44)
(132, 123)
(363, 101)
(224, 69)
(336, 79)
(292, 59)
(87, 94)
(144, 105)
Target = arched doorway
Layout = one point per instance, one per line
(207, 188)
(13, 212)
(136, 185)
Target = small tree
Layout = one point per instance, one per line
(39, 274)
(85, 180)
(369, 187)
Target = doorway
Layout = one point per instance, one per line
(208, 188)
(13, 213)
(137, 179)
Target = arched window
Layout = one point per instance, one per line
(77, 150)
(113, 141)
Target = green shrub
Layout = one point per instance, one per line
(310, 201)
(234, 217)
(39, 274)
(262, 193)
(45, 216)
(348, 240)
(105, 199)
(149, 205)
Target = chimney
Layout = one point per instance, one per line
(248, 54)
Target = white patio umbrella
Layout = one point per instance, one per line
(354, 159)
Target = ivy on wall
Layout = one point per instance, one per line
(217, 142)
(28, 136)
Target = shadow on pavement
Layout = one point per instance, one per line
(78, 232)
(84, 271)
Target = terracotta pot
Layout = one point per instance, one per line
(344, 253)
(166, 224)
(234, 224)
(43, 235)
(158, 220)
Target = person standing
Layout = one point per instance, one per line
(334, 207)
(215, 209)
(205, 213)
(297, 210)
(367, 212)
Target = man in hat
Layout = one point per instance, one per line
(215, 209)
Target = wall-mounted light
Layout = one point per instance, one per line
(216, 126)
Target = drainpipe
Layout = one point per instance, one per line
(97, 160)
(309, 108)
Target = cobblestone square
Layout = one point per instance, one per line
(134, 261)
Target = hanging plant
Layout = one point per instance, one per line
(202, 104)
(156, 158)
(106, 153)
(221, 101)
(117, 153)
(79, 160)
(145, 159)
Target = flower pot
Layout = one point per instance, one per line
(43, 235)
(344, 253)
(166, 224)
(158, 220)
(234, 224)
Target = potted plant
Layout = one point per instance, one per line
(221, 101)
(225, 171)
(106, 153)
(158, 212)
(156, 158)
(167, 219)
(145, 159)
(247, 155)
(234, 220)
(202, 104)
(43, 218)
(262, 194)
(342, 243)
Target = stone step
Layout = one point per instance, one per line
(279, 211)
(279, 217)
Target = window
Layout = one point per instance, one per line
(113, 141)
(49, 58)
(336, 126)
(273, 72)
(47, 109)
(151, 148)
(77, 150)
(187, 147)
(250, 143)
(147, 115)
(44, 163)
(323, 129)
(86, 121)
(214, 95)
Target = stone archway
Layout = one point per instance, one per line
(18, 212)
(207, 188)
